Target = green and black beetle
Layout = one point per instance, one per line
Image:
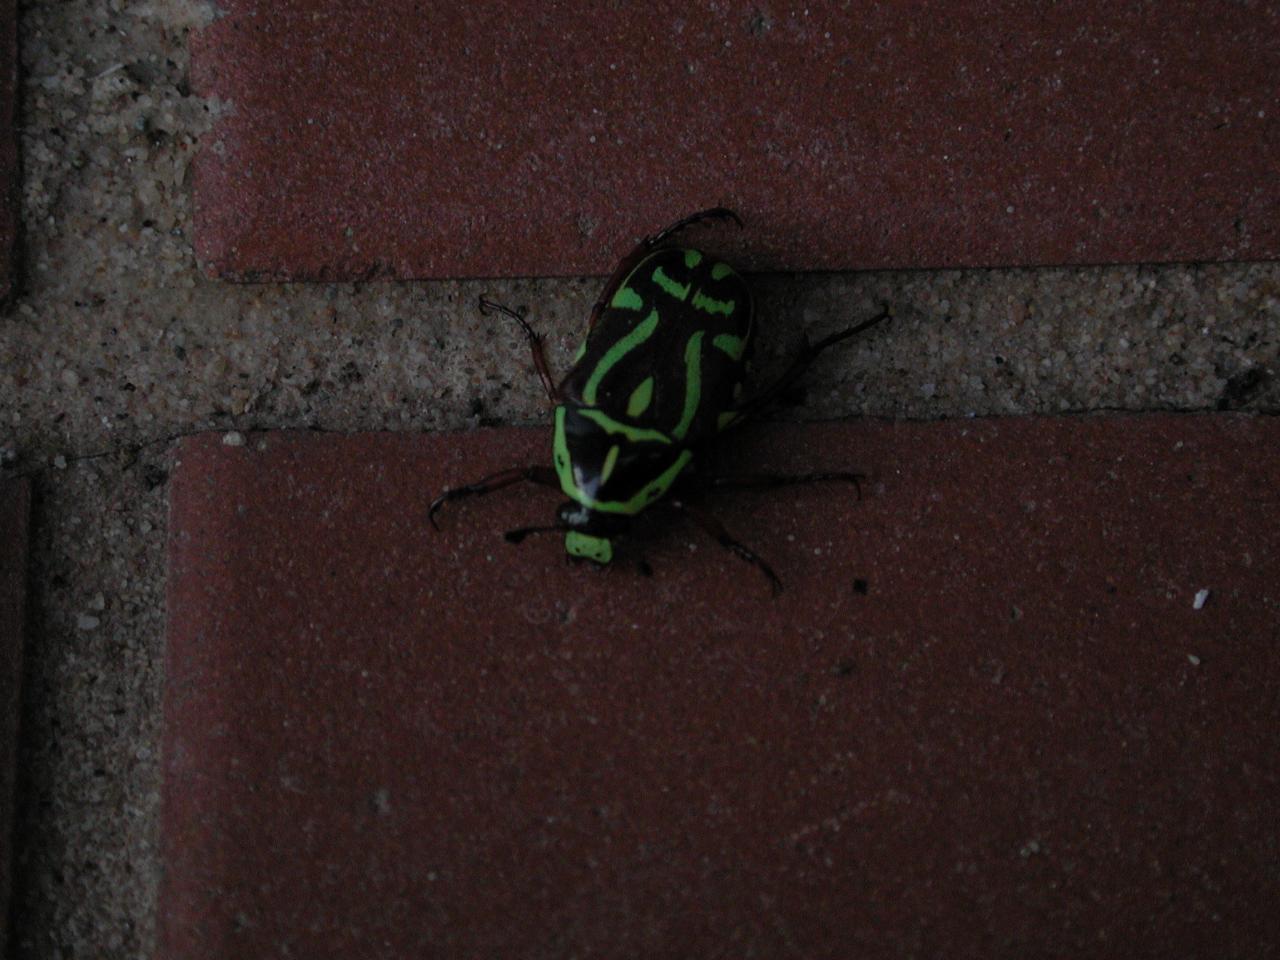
(658, 378)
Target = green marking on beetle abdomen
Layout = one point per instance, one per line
(642, 332)
(710, 305)
(720, 271)
(692, 258)
(678, 290)
(627, 299)
(640, 398)
(692, 384)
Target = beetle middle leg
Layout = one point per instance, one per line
(536, 347)
(716, 530)
(544, 476)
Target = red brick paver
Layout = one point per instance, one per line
(491, 138)
(15, 508)
(987, 717)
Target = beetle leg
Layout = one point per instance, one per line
(715, 529)
(518, 535)
(774, 480)
(535, 346)
(545, 476)
(808, 353)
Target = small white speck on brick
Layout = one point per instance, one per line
(1193, 659)
(233, 439)
(1199, 601)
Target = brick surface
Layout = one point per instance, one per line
(480, 139)
(984, 718)
(15, 508)
(10, 183)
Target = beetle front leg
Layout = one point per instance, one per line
(536, 347)
(544, 476)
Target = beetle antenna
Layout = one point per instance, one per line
(487, 305)
(535, 345)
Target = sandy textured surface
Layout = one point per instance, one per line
(118, 344)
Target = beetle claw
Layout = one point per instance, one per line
(432, 510)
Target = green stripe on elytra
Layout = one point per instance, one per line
(610, 461)
(710, 305)
(678, 290)
(642, 332)
(720, 271)
(627, 299)
(640, 398)
(731, 345)
(692, 258)
(692, 384)
(634, 434)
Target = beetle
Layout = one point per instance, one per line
(659, 376)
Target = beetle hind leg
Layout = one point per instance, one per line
(808, 353)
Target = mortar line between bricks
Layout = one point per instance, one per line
(135, 448)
